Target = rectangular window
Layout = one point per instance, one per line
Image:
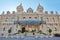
(59, 16)
(17, 17)
(29, 17)
(35, 17)
(47, 20)
(24, 18)
(41, 18)
(4, 29)
(6, 19)
(12, 19)
(53, 20)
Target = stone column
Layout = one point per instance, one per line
(20, 27)
(26, 27)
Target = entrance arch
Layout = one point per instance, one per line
(23, 29)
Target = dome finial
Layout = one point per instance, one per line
(40, 8)
(21, 4)
(20, 8)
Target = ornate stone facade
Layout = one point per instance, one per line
(7, 20)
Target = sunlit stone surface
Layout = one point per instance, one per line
(19, 22)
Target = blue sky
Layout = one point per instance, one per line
(49, 5)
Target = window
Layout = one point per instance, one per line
(17, 17)
(16, 29)
(56, 24)
(55, 27)
(41, 18)
(2, 34)
(29, 17)
(4, 29)
(24, 18)
(59, 16)
(35, 17)
(53, 20)
(47, 20)
(29, 10)
(12, 19)
(6, 19)
(48, 26)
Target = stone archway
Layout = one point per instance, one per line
(23, 28)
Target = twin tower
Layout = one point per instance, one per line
(20, 9)
(30, 10)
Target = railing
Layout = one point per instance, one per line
(29, 22)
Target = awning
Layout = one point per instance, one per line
(33, 22)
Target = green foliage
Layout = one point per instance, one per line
(26, 30)
(9, 31)
(50, 30)
(33, 30)
(19, 31)
(40, 32)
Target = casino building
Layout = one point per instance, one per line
(30, 20)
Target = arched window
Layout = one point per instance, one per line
(41, 18)
(4, 29)
(12, 19)
(2, 34)
(29, 10)
(53, 20)
(24, 18)
(6, 19)
(30, 18)
(17, 17)
(47, 19)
